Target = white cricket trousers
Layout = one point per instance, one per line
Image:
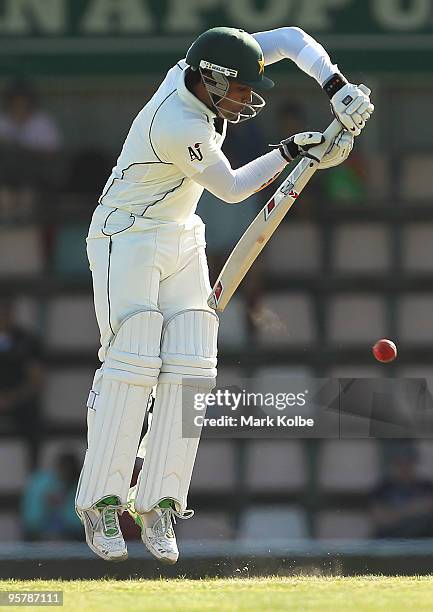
(140, 263)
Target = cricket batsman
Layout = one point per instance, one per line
(146, 248)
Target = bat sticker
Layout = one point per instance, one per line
(286, 188)
(270, 206)
(215, 295)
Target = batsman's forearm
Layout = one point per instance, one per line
(233, 186)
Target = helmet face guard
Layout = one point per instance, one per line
(216, 81)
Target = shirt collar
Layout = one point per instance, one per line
(190, 99)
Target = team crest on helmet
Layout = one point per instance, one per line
(261, 65)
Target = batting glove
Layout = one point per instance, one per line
(299, 144)
(350, 103)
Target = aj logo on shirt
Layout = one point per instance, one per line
(195, 153)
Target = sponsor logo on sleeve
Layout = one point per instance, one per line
(194, 152)
(271, 180)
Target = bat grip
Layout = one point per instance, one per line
(333, 130)
(330, 133)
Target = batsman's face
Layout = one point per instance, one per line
(238, 94)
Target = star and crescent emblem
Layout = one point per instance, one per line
(261, 65)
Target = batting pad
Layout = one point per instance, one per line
(188, 350)
(130, 370)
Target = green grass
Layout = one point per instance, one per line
(240, 594)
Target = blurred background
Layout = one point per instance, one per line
(353, 262)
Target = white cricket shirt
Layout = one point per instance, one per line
(172, 138)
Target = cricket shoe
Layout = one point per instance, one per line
(156, 526)
(102, 529)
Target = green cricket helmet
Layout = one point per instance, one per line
(236, 51)
(220, 54)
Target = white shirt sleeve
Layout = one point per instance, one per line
(236, 185)
(188, 145)
(295, 44)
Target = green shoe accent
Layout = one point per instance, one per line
(137, 520)
(108, 501)
(133, 513)
(109, 522)
(166, 503)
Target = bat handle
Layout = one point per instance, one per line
(333, 130)
(330, 133)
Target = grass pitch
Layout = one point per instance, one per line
(239, 594)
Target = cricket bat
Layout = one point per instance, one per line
(264, 225)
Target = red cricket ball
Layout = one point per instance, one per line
(385, 350)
